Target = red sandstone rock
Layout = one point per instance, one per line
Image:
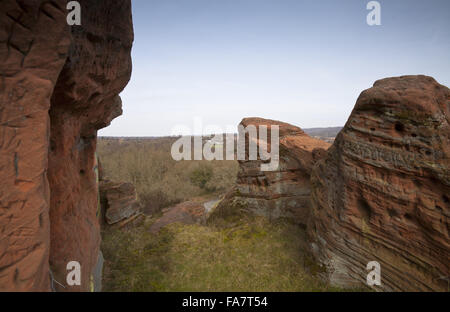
(284, 192)
(34, 39)
(382, 193)
(189, 212)
(119, 201)
(85, 99)
(78, 72)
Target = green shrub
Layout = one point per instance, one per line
(201, 175)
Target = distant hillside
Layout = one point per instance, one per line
(323, 132)
(329, 132)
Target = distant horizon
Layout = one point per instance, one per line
(169, 136)
(302, 62)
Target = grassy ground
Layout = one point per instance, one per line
(253, 255)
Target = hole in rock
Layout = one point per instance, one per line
(445, 198)
(41, 220)
(399, 127)
(392, 213)
(364, 209)
(408, 217)
(16, 275)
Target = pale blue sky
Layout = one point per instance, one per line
(303, 62)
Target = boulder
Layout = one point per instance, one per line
(284, 192)
(382, 191)
(119, 201)
(189, 212)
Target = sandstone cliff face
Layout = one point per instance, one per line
(33, 44)
(382, 193)
(85, 99)
(284, 192)
(58, 85)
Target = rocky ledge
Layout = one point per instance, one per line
(118, 201)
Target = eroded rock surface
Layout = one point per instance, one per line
(382, 192)
(119, 201)
(85, 99)
(190, 212)
(58, 86)
(34, 40)
(284, 192)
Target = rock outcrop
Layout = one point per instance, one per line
(189, 212)
(118, 200)
(382, 192)
(58, 86)
(85, 99)
(284, 192)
